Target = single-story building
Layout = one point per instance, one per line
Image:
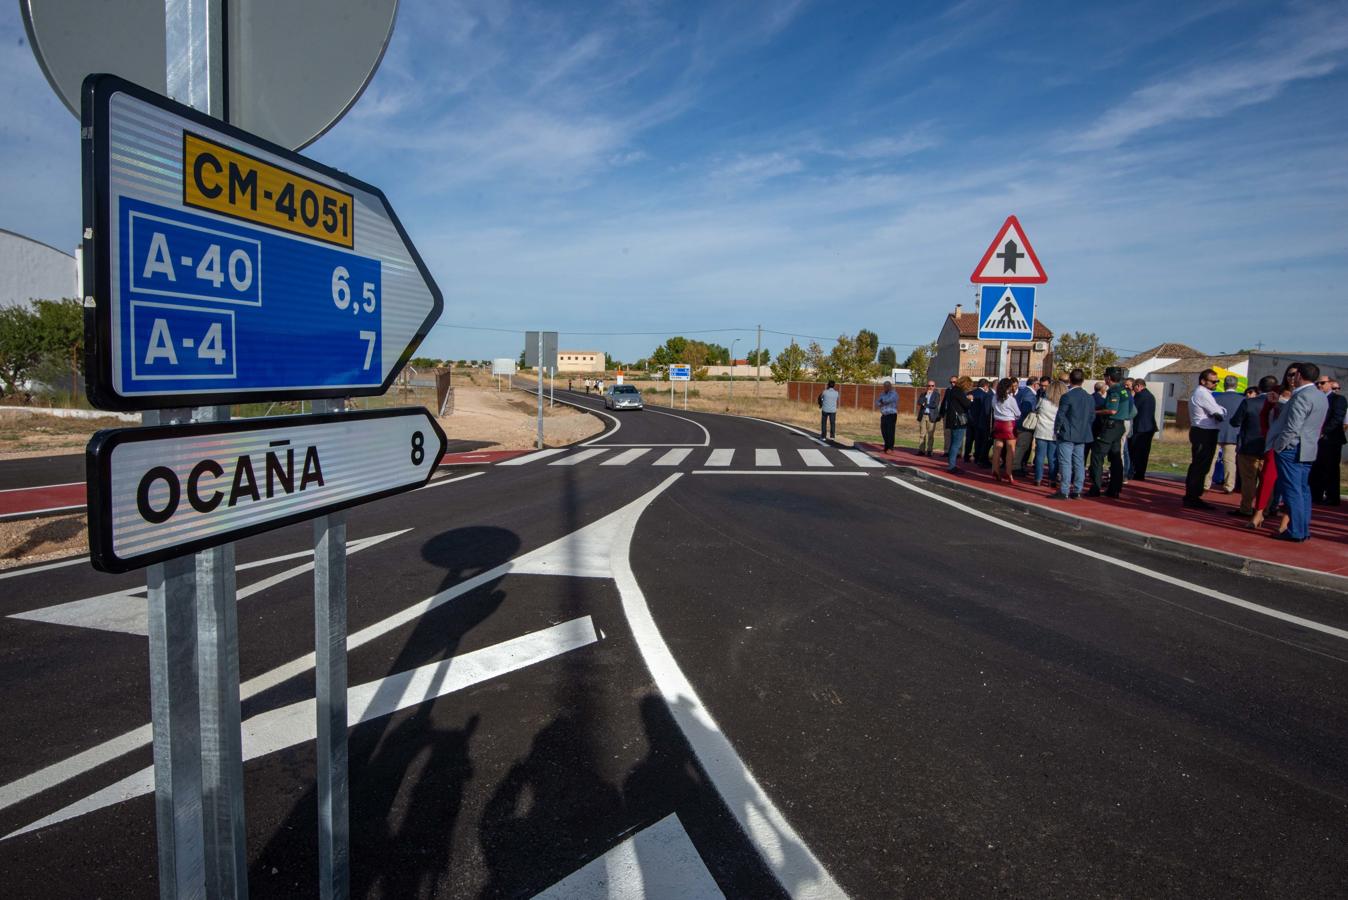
(1158, 357)
(1275, 363)
(580, 361)
(32, 270)
(1179, 378)
(960, 352)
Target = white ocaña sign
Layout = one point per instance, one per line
(165, 491)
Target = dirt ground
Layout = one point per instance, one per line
(487, 419)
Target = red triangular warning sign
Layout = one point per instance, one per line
(1009, 259)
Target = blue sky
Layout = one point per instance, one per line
(816, 168)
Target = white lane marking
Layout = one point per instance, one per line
(297, 723)
(443, 481)
(616, 446)
(657, 862)
(583, 552)
(781, 848)
(767, 458)
(532, 457)
(46, 568)
(126, 611)
(23, 514)
(580, 456)
(720, 457)
(775, 472)
(862, 459)
(815, 458)
(672, 458)
(626, 457)
(1133, 567)
(41, 487)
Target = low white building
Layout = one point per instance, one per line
(31, 270)
(1177, 380)
(1160, 356)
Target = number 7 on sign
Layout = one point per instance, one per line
(368, 337)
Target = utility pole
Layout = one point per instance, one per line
(758, 363)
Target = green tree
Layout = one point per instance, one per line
(820, 362)
(919, 361)
(1081, 349)
(610, 363)
(423, 362)
(521, 359)
(867, 345)
(759, 357)
(887, 358)
(21, 345)
(61, 326)
(790, 364)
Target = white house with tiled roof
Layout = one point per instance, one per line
(1148, 361)
(960, 352)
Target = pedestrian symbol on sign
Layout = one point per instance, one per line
(1005, 315)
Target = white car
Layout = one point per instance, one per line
(623, 396)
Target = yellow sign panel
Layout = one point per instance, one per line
(223, 180)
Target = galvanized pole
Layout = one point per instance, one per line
(1003, 364)
(758, 362)
(195, 75)
(334, 843)
(540, 390)
(175, 714)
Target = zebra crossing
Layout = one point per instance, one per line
(721, 458)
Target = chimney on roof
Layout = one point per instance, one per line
(959, 308)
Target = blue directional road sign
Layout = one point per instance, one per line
(1005, 313)
(226, 269)
(680, 373)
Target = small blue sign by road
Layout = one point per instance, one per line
(1005, 313)
(680, 373)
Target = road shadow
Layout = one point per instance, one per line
(408, 771)
(47, 532)
(466, 446)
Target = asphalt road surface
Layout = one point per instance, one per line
(701, 655)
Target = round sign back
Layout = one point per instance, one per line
(293, 69)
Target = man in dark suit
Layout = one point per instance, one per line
(1325, 469)
(1144, 429)
(980, 423)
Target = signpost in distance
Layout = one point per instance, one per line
(226, 269)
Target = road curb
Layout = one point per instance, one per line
(1231, 562)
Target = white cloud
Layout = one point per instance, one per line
(1311, 46)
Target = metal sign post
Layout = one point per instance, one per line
(538, 365)
(334, 845)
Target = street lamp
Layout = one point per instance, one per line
(731, 401)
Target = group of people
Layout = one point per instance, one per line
(1283, 440)
(1050, 429)
(1056, 432)
(595, 384)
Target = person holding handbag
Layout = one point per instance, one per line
(1045, 446)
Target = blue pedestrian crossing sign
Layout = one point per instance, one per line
(1005, 313)
(224, 269)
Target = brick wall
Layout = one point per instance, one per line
(851, 396)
